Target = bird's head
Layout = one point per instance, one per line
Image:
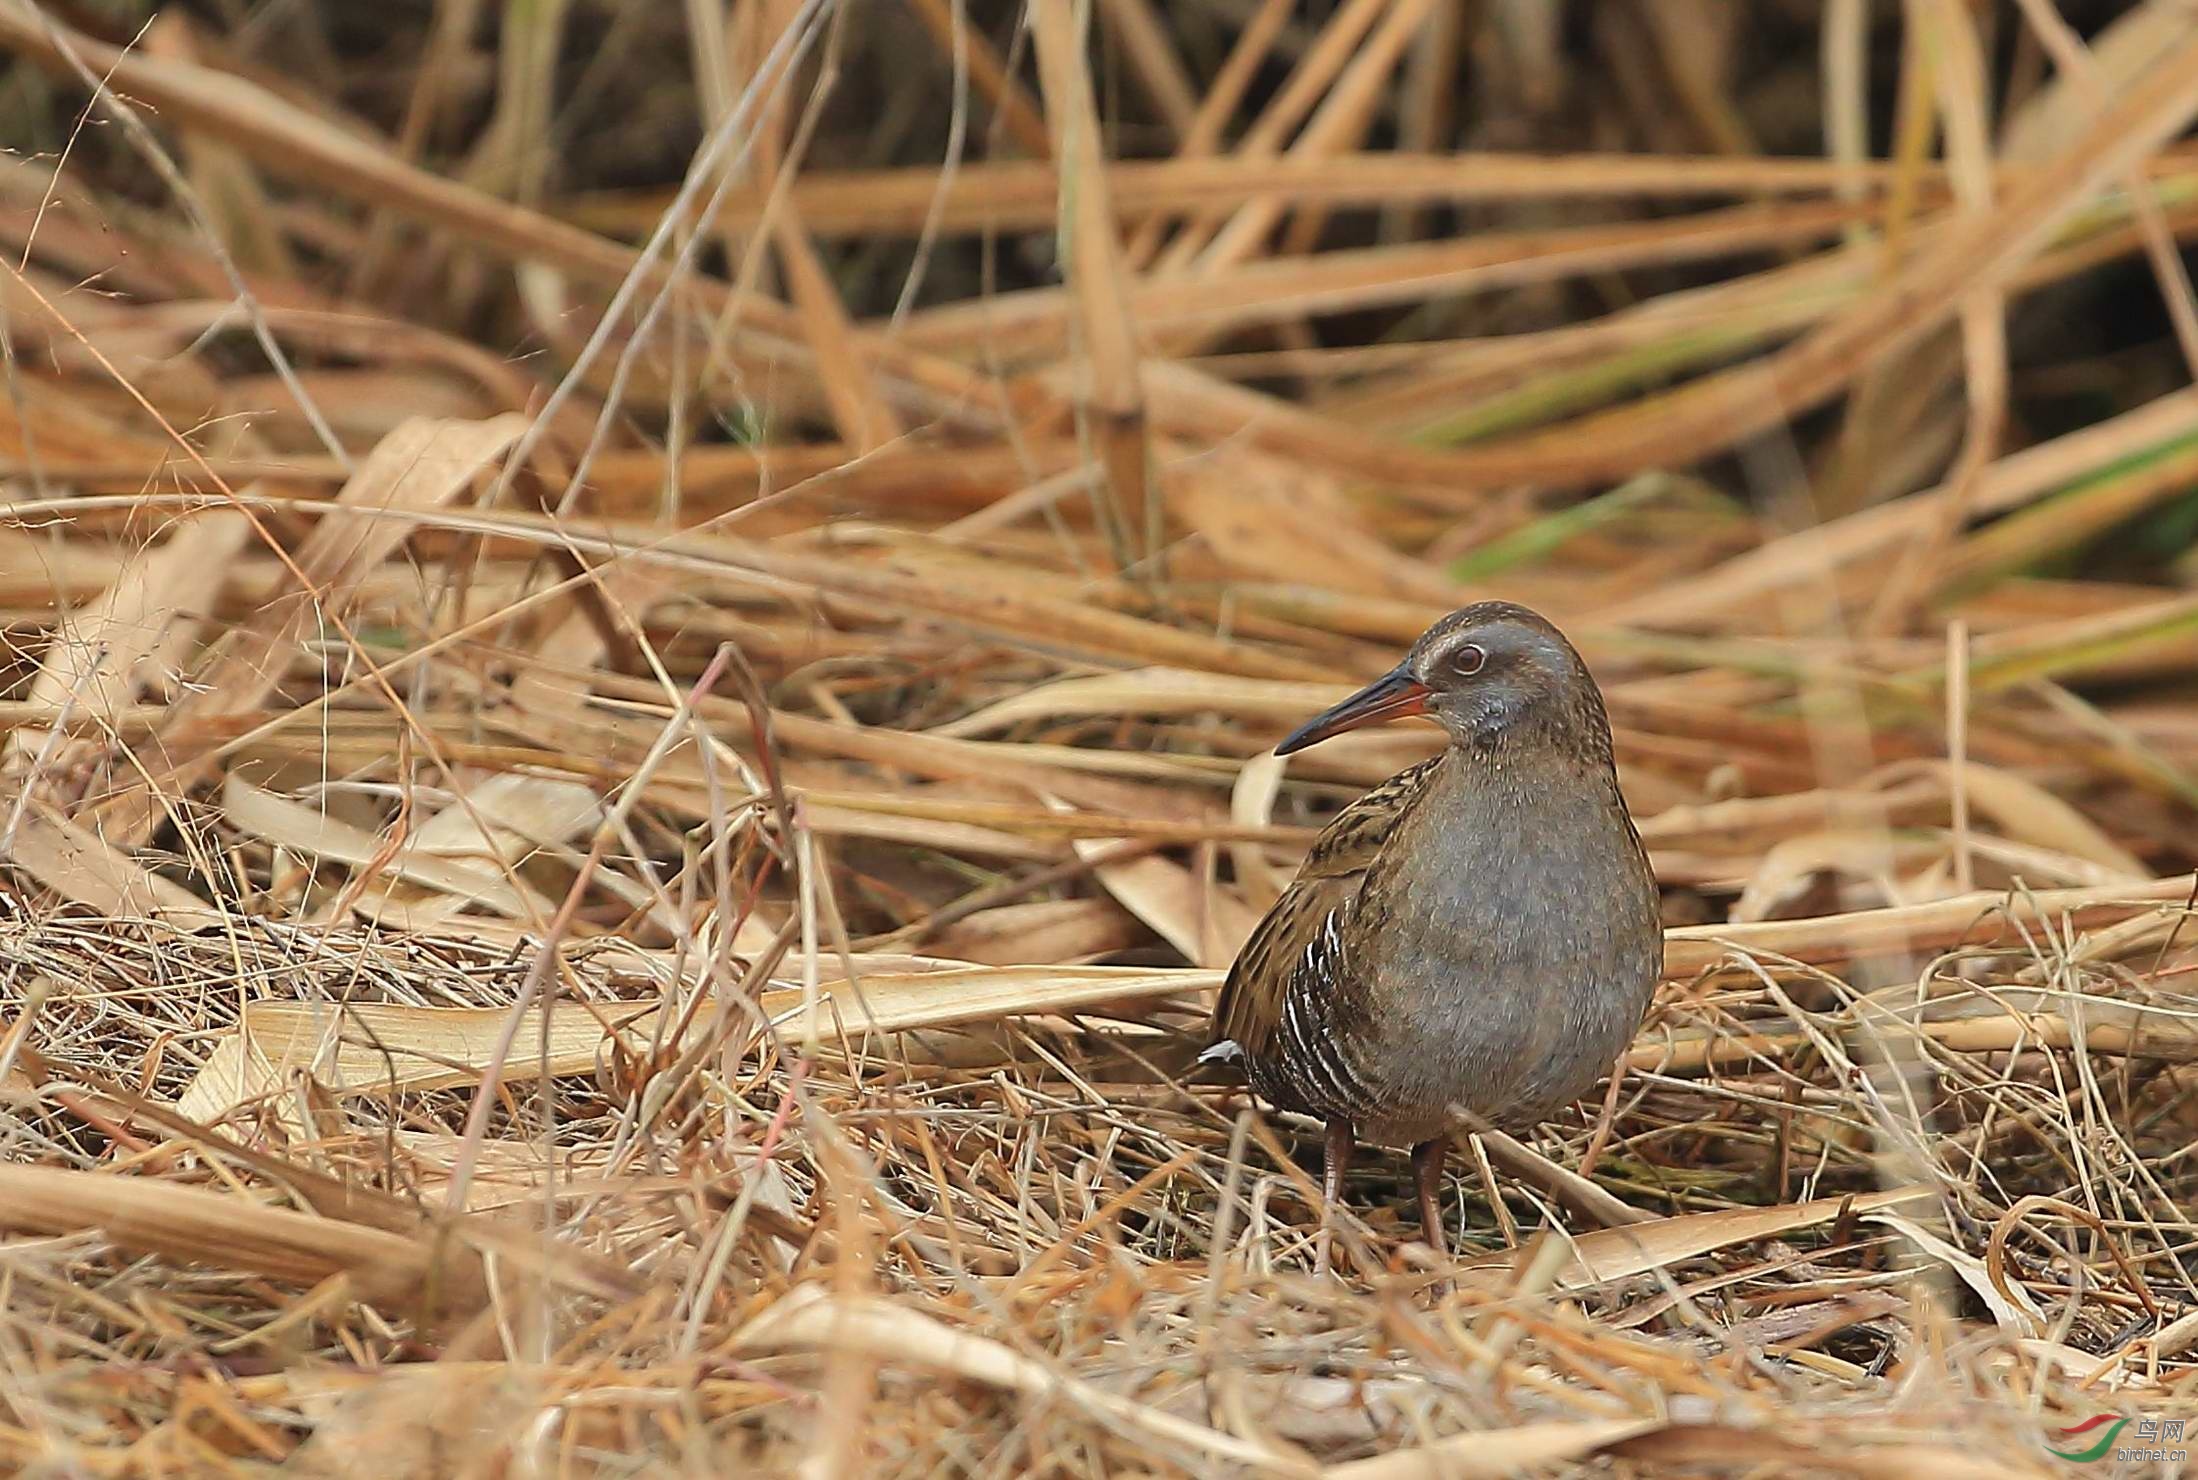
(1479, 673)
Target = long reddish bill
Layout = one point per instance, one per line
(1392, 696)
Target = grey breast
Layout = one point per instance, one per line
(1520, 951)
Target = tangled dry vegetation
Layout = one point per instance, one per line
(637, 722)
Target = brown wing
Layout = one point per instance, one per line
(1348, 843)
(1293, 947)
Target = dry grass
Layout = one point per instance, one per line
(636, 725)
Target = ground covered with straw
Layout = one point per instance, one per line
(643, 642)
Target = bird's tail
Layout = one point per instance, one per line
(1219, 1062)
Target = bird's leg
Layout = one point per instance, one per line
(1427, 1168)
(1335, 1158)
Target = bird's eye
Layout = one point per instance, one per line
(1468, 659)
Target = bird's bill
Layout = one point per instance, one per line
(1392, 696)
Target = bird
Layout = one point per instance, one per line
(1479, 931)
